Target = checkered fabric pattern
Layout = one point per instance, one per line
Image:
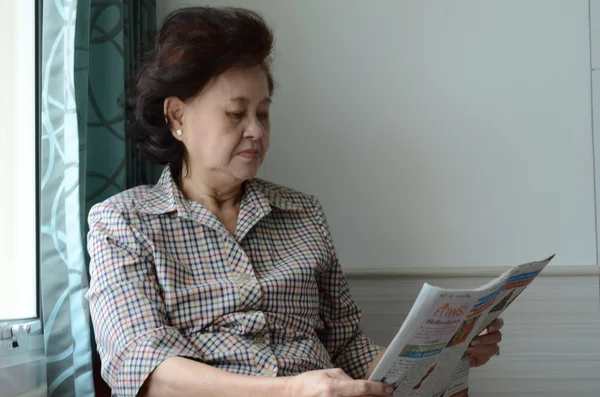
(168, 279)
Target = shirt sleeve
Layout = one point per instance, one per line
(133, 335)
(350, 349)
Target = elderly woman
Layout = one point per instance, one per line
(213, 282)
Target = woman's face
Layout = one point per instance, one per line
(226, 126)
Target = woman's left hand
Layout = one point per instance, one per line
(485, 346)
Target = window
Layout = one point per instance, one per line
(18, 235)
(22, 359)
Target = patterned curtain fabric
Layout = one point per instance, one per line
(108, 48)
(90, 50)
(63, 272)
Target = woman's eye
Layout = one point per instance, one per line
(263, 116)
(236, 115)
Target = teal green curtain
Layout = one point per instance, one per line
(110, 42)
(90, 51)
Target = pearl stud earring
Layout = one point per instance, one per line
(179, 132)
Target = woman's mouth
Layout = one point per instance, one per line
(250, 154)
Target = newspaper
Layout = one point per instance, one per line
(427, 357)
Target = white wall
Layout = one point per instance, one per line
(595, 63)
(437, 133)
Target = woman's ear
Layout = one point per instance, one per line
(173, 109)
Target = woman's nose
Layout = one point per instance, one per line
(255, 130)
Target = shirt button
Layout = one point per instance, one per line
(244, 276)
(261, 339)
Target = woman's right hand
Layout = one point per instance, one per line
(334, 383)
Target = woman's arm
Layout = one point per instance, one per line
(374, 363)
(350, 349)
(178, 376)
(129, 316)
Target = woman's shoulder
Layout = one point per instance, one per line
(125, 201)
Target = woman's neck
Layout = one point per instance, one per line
(212, 193)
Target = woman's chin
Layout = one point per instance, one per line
(243, 169)
(247, 173)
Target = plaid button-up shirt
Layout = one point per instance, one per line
(168, 279)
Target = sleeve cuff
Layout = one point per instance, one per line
(357, 356)
(136, 362)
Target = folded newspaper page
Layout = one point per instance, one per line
(427, 357)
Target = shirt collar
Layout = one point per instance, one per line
(166, 197)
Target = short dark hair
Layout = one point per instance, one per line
(193, 46)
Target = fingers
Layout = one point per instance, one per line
(485, 346)
(337, 373)
(482, 355)
(361, 388)
(475, 362)
(487, 339)
(496, 325)
(483, 351)
(344, 386)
